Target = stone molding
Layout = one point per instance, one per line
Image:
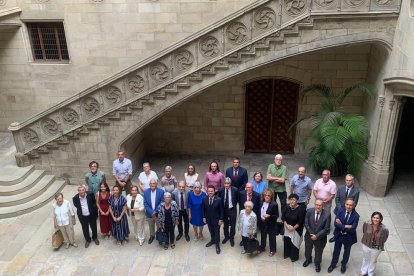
(192, 59)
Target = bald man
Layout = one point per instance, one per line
(301, 185)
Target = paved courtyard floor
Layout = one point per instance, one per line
(25, 241)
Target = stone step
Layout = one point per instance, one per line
(27, 183)
(29, 206)
(14, 175)
(28, 194)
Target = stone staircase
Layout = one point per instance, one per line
(23, 190)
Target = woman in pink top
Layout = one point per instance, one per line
(214, 177)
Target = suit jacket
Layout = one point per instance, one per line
(320, 229)
(341, 197)
(241, 180)
(348, 235)
(90, 197)
(176, 197)
(213, 213)
(159, 197)
(255, 199)
(234, 196)
(273, 211)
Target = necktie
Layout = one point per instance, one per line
(347, 193)
(249, 197)
(211, 201)
(227, 199)
(235, 175)
(346, 217)
(317, 218)
(182, 201)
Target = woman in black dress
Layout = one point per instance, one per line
(293, 218)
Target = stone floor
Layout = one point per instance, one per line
(26, 240)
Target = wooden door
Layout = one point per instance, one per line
(271, 108)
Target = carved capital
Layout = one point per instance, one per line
(381, 101)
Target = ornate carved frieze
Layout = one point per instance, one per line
(91, 106)
(49, 126)
(354, 3)
(324, 3)
(30, 136)
(264, 18)
(159, 72)
(237, 33)
(70, 116)
(384, 2)
(136, 84)
(183, 60)
(295, 7)
(209, 47)
(113, 95)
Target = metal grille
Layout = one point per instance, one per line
(48, 41)
(271, 107)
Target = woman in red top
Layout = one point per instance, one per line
(105, 219)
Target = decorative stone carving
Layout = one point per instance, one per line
(3, 2)
(324, 3)
(159, 72)
(264, 18)
(30, 136)
(209, 47)
(91, 106)
(183, 60)
(383, 2)
(113, 95)
(295, 7)
(136, 84)
(381, 101)
(354, 3)
(237, 33)
(49, 126)
(70, 116)
(391, 105)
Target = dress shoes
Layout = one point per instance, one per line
(225, 240)
(87, 243)
(306, 263)
(96, 241)
(187, 237)
(151, 239)
(318, 268)
(343, 269)
(332, 239)
(331, 268)
(241, 243)
(179, 237)
(218, 250)
(232, 242)
(210, 243)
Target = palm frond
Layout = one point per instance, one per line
(365, 87)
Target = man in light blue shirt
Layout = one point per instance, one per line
(122, 171)
(301, 185)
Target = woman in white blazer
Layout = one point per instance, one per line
(135, 204)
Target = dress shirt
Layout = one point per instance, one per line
(153, 196)
(93, 180)
(84, 205)
(301, 187)
(63, 213)
(145, 179)
(215, 179)
(259, 187)
(229, 199)
(122, 169)
(325, 190)
(264, 210)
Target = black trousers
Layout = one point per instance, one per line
(214, 229)
(319, 245)
(183, 216)
(266, 230)
(230, 216)
(289, 250)
(87, 221)
(282, 197)
(170, 234)
(337, 250)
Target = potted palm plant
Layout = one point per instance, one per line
(339, 140)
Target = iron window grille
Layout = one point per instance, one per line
(48, 41)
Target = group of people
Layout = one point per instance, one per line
(224, 199)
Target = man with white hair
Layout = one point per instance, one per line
(146, 176)
(277, 175)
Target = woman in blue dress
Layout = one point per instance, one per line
(258, 184)
(117, 208)
(195, 213)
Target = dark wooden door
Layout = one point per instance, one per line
(271, 108)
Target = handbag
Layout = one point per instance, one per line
(252, 245)
(57, 239)
(280, 228)
(161, 236)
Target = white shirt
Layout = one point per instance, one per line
(145, 179)
(229, 199)
(264, 210)
(153, 194)
(245, 226)
(63, 213)
(84, 205)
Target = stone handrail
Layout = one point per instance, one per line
(233, 34)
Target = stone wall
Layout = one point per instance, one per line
(213, 122)
(103, 38)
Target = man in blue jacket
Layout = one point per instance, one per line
(346, 223)
(152, 198)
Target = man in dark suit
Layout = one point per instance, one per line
(230, 196)
(237, 174)
(346, 223)
(317, 224)
(213, 216)
(180, 195)
(85, 204)
(345, 192)
(249, 195)
(152, 198)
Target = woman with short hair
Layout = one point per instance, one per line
(195, 212)
(168, 218)
(247, 224)
(64, 219)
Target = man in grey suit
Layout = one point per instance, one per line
(317, 224)
(180, 195)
